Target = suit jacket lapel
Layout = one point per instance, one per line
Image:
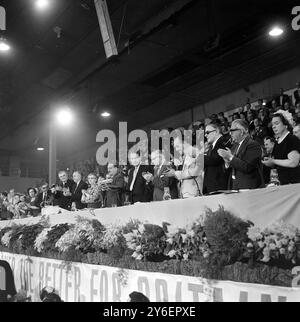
(243, 147)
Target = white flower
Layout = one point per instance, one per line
(261, 244)
(184, 237)
(139, 248)
(272, 246)
(249, 245)
(254, 233)
(282, 251)
(141, 228)
(266, 253)
(206, 254)
(172, 253)
(291, 249)
(6, 238)
(135, 255)
(170, 241)
(185, 257)
(140, 257)
(40, 239)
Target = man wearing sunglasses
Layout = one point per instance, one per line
(244, 160)
(215, 175)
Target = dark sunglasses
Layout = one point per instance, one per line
(234, 130)
(208, 132)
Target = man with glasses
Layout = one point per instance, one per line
(215, 175)
(244, 161)
(62, 192)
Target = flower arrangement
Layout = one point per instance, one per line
(226, 236)
(279, 242)
(81, 236)
(188, 243)
(40, 239)
(147, 242)
(53, 235)
(208, 247)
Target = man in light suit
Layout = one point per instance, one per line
(215, 174)
(244, 161)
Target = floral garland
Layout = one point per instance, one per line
(218, 239)
(279, 241)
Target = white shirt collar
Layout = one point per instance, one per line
(214, 144)
(282, 138)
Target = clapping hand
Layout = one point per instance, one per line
(225, 154)
(170, 173)
(268, 162)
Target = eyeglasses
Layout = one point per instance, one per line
(90, 178)
(208, 132)
(234, 130)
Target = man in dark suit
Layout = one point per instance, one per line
(76, 191)
(162, 186)
(137, 184)
(297, 94)
(282, 98)
(62, 192)
(45, 197)
(215, 175)
(244, 160)
(115, 189)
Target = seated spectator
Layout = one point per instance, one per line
(243, 116)
(114, 187)
(282, 98)
(92, 196)
(297, 94)
(286, 153)
(259, 132)
(296, 131)
(5, 214)
(22, 207)
(287, 107)
(263, 116)
(33, 203)
(13, 207)
(236, 116)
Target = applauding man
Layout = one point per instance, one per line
(244, 160)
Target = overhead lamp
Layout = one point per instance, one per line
(4, 46)
(42, 4)
(276, 31)
(64, 116)
(105, 114)
(40, 149)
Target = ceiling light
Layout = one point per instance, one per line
(40, 149)
(4, 46)
(105, 114)
(64, 116)
(276, 31)
(42, 4)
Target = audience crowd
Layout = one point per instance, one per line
(250, 149)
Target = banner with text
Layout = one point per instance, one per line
(78, 282)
